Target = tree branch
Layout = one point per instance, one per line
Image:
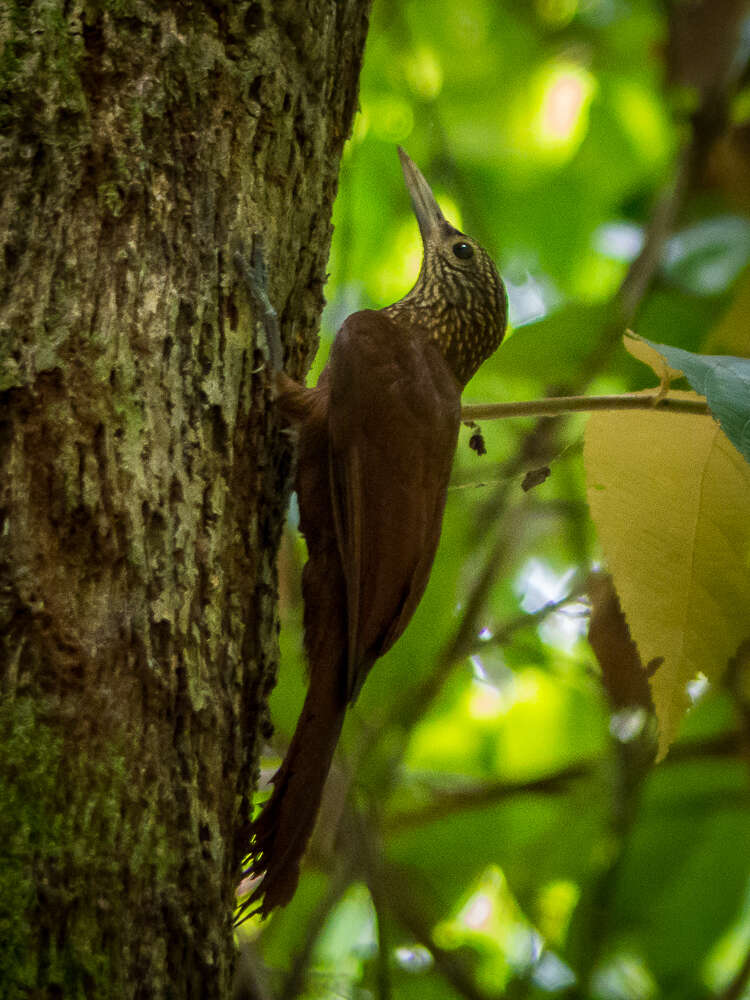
(481, 794)
(557, 405)
(476, 795)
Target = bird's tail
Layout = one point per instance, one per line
(280, 833)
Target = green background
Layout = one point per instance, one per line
(549, 131)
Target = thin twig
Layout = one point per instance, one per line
(727, 745)
(527, 619)
(557, 405)
(487, 793)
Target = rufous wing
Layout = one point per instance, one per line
(393, 424)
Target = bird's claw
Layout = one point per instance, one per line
(256, 280)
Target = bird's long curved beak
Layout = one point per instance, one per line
(426, 208)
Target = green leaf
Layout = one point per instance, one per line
(536, 838)
(552, 349)
(725, 382)
(708, 256)
(673, 874)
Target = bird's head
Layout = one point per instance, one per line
(459, 297)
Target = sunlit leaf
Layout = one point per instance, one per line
(670, 497)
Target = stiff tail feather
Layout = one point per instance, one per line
(280, 833)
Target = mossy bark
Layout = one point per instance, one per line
(143, 474)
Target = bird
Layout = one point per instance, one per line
(376, 438)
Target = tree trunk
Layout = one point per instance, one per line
(143, 474)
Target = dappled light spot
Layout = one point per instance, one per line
(641, 117)
(619, 240)
(562, 107)
(539, 584)
(477, 912)
(555, 905)
(398, 270)
(556, 123)
(729, 951)
(424, 72)
(390, 117)
(350, 933)
(480, 674)
(697, 687)
(562, 629)
(552, 974)
(486, 701)
(596, 278)
(492, 923)
(624, 977)
(359, 133)
(628, 724)
(413, 958)
(529, 300)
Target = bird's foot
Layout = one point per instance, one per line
(256, 279)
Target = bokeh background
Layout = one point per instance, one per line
(494, 825)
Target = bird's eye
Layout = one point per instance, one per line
(463, 251)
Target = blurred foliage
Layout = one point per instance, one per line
(494, 825)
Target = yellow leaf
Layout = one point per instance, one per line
(643, 351)
(670, 497)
